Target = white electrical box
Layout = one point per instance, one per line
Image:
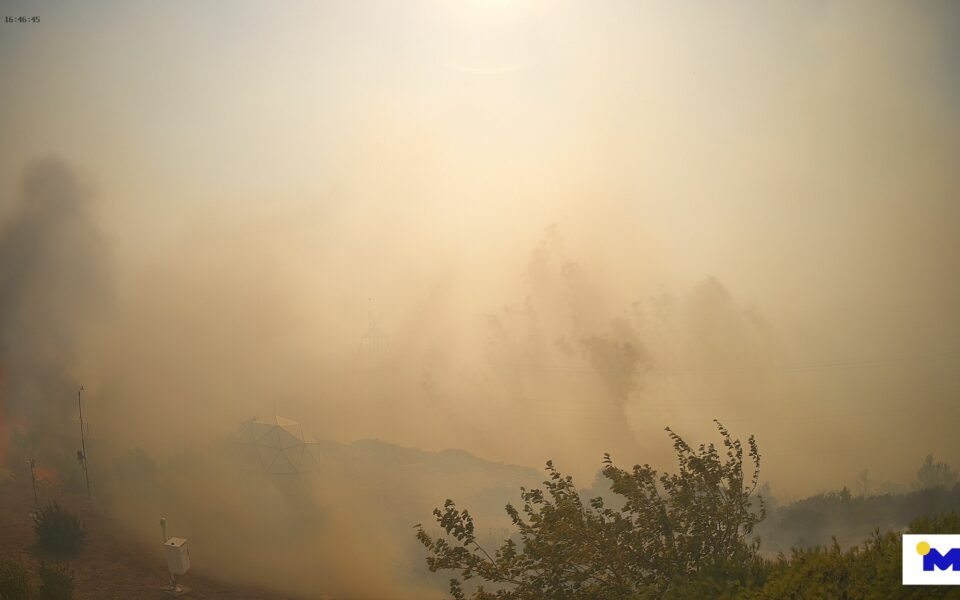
(178, 556)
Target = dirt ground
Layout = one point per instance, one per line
(110, 567)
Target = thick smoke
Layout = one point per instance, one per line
(52, 281)
(755, 215)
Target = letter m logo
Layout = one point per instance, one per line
(944, 562)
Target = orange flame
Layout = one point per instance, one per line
(45, 475)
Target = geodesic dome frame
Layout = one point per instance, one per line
(279, 446)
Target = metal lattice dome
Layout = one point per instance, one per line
(279, 446)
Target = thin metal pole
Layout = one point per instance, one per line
(33, 477)
(83, 447)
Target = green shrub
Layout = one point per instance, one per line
(690, 526)
(56, 582)
(869, 571)
(60, 534)
(14, 581)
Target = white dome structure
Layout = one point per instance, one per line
(279, 445)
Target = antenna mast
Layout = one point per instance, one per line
(82, 453)
(33, 477)
(374, 341)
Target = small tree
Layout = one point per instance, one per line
(935, 474)
(56, 582)
(14, 581)
(669, 527)
(60, 534)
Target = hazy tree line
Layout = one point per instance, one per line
(850, 518)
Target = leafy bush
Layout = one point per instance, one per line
(60, 534)
(56, 582)
(14, 581)
(870, 571)
(669, 528)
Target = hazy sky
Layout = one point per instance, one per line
(266, 173)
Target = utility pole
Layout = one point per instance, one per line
(82, 454)
(33, 477)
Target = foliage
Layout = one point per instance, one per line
(870, 571)
(60, 534)
(56, 582)
(935, 474)
(726, 579)
(946, 523)
(814, 520)
(670, 528)
(14, 581)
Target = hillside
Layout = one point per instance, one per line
(113, 565)
(290, 545)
